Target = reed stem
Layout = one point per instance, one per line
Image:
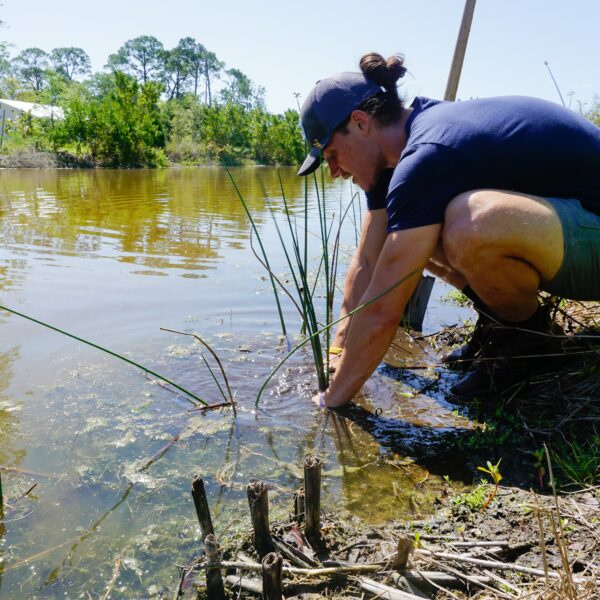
(253, 225)
(201, 506)
(107, 351)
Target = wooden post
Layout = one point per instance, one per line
(459, 51)
(271, 576)
(214, 582)
(403, 551)
(299, 506)
(258, 499)
(312, 497)
(201, 504)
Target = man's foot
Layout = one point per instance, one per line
(507, 360)
(462, 358)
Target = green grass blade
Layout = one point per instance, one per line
(253, 225)
(107, 351)
(231, 398)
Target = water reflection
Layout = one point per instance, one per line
(157, 219)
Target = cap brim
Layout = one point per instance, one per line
(311, 163)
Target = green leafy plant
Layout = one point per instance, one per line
(306, 295)
(474, 500)
(494, 472)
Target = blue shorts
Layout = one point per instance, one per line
(579, 275)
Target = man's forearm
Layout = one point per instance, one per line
(357, 281)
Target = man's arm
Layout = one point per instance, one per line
(372, 329)
(362, 265)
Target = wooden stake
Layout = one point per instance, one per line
(312, 497)
(201, 504)
(459, 51)
(299, 506)
(403, 551)
(258, 499)
(214, 582)
(271, 576)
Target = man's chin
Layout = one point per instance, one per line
(361, 185)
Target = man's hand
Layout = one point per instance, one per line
(318, 400)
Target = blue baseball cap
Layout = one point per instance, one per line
(328, 105)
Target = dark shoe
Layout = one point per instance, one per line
(462, 358)
(507, 361)
(487, 379)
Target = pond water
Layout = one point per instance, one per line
(113, 256)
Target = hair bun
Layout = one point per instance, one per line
(385, 73)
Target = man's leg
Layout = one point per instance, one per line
(504, 245)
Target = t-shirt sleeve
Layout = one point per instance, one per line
(376, 198)
(423, 183)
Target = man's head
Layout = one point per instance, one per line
(328, 108)
(334, 105)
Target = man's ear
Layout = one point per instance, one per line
(361, 119)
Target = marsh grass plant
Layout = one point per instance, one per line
(305, 289)
(311, 293)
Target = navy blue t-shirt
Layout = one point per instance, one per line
(509, 143)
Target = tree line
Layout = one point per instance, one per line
(148, 106)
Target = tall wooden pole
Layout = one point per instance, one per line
(459, 51)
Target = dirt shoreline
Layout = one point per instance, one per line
(521, 545)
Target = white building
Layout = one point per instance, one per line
(11, 110)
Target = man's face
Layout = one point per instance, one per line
(353, 153)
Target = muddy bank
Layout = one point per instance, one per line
(30, 159)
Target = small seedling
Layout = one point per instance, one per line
(539, 458)
(417, 541)
(494, 472)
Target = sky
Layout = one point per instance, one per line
(287, 46)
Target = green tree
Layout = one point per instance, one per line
(594, 113)
(277, 139)
(5, 71)
(123, 128)
(212, 68)
(241, 90)
(70, 62)
(194, 54)
(30, 67)
(143, 57)
(178, 70)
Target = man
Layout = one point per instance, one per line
(499, 196)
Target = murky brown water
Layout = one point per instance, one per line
(113, 256)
